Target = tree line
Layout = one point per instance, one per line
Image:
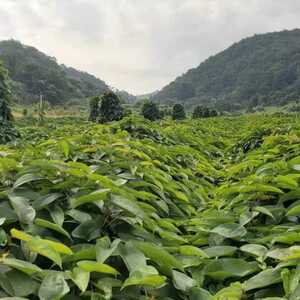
(107, 108)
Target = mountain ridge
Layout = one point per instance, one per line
(33, 72)
(260, 70)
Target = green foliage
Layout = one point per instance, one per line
(143, 210)
(150, 111)
(247, 74)
(178, 112)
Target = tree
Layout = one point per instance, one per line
(213, 113)
(178, 112)
(94, 108)
(5, 112)
(198, 112)
(7, 131)
(151, 111)
(110, 108)
(204, 112)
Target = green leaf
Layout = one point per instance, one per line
(264, 211)
(199, 294)
(159, 255)
(104, 249)
(224, 268)
(139, 278)
(23, 209)
(93, 266)
(53, 287)
(79, 216)
(219, 251)
(230, 230)
(26, 178)
(256, 250)
(263, 279)
(293, 211)
(133, 258)
(45, 201)
(106, 285)
(89, 230)
(192, 251)
(286, 182)
(43, 248)
(172, 237)
(81, 278)
(182, 282)
(65, 146)
(233, 292)
(57, 215)
(5, 284)
(257, 187)
(289, 238)
(3, 238)
(52, 226)
(22, 284)
(14, 298)
(21, 265)
(128, 205)
(86, 252)
(96, 196)
(285, 254)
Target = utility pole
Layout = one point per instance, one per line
(41, 110)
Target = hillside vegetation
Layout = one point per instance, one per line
(260, 70)
(34, 73)
(191, 210)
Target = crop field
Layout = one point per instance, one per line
(203, 209)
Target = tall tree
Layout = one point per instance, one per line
(198, 112)
(94, 108)
(7, 131)
(5, 112)
(178, 112)
(110, 108)
(151, 111)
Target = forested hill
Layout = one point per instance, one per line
(260, 70)
(33, 72)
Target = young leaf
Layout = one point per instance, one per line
(93, 266)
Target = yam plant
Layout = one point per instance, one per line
(134, 210)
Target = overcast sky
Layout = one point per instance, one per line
(140, 45)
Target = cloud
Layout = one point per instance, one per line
(140, 45)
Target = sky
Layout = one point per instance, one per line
(140, 45)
